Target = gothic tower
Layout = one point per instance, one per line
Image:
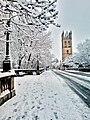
(66, 44)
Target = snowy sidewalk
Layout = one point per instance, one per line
(44, 97)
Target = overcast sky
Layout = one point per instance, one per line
(73, 15)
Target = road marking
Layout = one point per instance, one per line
(79, 92)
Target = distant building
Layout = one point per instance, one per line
(66, 38)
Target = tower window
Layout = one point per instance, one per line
(67, 51)
(65, 44)
(69, 43)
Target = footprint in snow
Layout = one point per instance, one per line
(23, 116)
(9, 118)
(41, 94)
(32, 102)
(42, 98)
(55, 94)
(15, 110)
(40, 102)
(38, 107)
(15, 103)
(33, 107)
(51, 108)
(50, 96)
(36, 98)
(55, 101)
(25, 113)
(36, 117)
(41, 109)
(55, 114)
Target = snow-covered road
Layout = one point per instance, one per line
(44, 97)
(78, 83)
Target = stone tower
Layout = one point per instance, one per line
(66, 38)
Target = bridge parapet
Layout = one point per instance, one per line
(7, 90)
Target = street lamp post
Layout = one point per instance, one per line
(7, 61)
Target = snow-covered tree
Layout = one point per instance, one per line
(72, 61)
(41, 48)
(37, 14)
(30, 49)
(55, 63)
(26, 14)
(84, 52)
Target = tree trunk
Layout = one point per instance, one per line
(28, 60)
(19, 65)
